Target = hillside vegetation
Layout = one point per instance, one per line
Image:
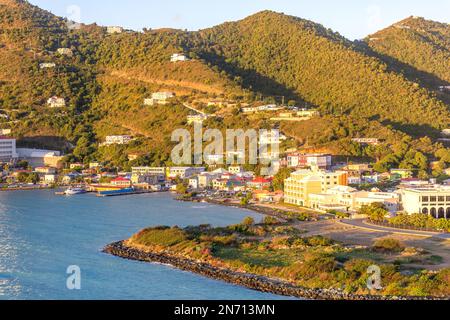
(359, 92)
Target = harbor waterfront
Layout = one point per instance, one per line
(41, 235)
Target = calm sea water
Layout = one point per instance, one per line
(42, 234)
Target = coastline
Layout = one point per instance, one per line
(251, 281)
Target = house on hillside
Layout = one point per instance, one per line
(178, 57)
(114, 29)
(47, 65)
(159, 98)
(56, 102)
(65, 51)
(120, 139)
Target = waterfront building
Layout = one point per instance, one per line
(119, 139)
(56, 102)
(50, 178)
(148, 178)
(8, 151)
(433, 200)
(229, 185)
(45, 170)
(121, 182)
(265, 196)
(302, 183)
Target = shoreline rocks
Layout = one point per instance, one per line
(250, 281)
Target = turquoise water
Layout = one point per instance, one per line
(42, 234)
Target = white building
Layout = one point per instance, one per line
(177, 57)
(50, 178)
(120, 139)
(159, 98)
(433, 200)
(349, 199)
(40, 158)
(56, 102)
(198, 118)
(185, 172)
(47, 65)
(65, 51)
(114, 29)
(193, 183)
(8, 150)
(149, 170)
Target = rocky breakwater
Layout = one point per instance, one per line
(250, 281)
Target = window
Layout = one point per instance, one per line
(441, 199)
(425, 199)
(433, 199)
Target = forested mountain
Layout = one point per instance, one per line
(420, 43)
(362, 89)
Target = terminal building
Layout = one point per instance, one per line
(433, 200)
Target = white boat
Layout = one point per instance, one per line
(74, 190)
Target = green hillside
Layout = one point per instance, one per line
(358, 90)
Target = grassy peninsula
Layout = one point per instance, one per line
(283, 253)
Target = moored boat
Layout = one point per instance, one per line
(75, 190)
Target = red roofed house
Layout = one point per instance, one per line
(121, 182)
(259, 183)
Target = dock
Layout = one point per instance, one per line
(123, 193)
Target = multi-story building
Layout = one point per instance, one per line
(149, 170)
(148, 178)
(433, 200)
(297, 160)
(349, 199)
(302, 183)
(184, 172)
(8, 150)
(40, 158)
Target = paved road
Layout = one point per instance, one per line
(361, 223)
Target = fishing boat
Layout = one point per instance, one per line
(75, 190)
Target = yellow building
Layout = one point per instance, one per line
(302, 183)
